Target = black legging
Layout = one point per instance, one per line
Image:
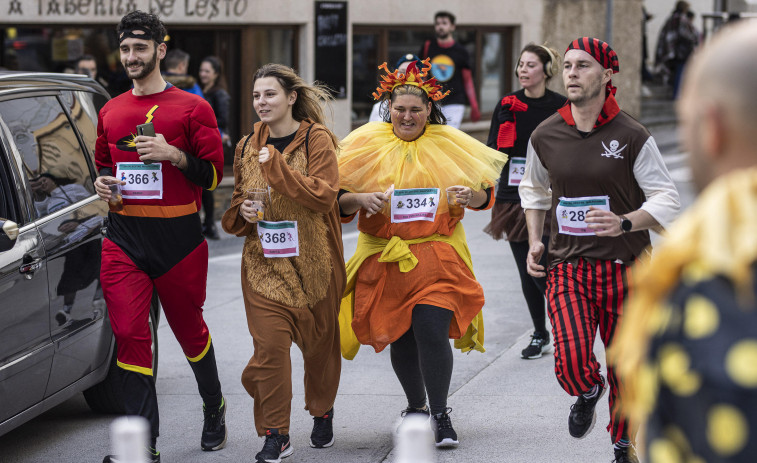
(533, 288)
(422, 358)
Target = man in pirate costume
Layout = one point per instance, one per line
(155, 243)
(410, 284)
(686, 349)
(601, 173)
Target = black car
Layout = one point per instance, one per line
(55, 336)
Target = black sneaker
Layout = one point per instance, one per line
(214, 427)
(323, 430)
(538, 346)
(423, 412)
(583, 415)
(153, 456)
(625, 455)
(444, 434)
(276, 447)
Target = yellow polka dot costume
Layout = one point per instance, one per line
(687, 351)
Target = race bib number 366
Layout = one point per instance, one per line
(279, 239)
(143, 181)
(413, 204)
(571, 214)
(517, 169)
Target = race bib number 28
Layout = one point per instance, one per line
(143, 181)
(571, 214)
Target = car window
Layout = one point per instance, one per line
(7, 192)
(84, 108)
(53, 161)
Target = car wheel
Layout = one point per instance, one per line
(107, 396)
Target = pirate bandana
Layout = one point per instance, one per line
(146, 34)
(601, 52)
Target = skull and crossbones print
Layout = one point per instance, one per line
(613, 150)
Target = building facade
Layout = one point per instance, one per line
(341, 42)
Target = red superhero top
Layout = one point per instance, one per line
(160, 219)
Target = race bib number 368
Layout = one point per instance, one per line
(571, 214)
(143, 181)
(279, 239)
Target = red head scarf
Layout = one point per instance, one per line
(601, 52)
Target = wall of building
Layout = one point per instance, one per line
(556, 21)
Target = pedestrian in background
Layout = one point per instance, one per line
(601, 173)
(451, 66)
(177, 66)
(687, 348)
(513, 120)
(214, 90)
(677, 40)
(155, 244)
(293, 259)
(410, 283)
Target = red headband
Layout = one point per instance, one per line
(601, 52)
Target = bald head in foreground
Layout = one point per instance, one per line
(688, 348)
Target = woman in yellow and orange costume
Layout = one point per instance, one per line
(410, 284)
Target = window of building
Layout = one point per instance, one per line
(490, 50)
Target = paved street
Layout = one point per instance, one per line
(505, 409)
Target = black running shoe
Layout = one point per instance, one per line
(625, 455)
(538, 346)
(214, 427)
(323, 430)
(276, 447)
(444, 434)
(583, 414)
(423, 412)
(153, 456)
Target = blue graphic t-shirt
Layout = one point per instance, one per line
(447, 65)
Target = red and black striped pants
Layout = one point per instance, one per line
(582, 298)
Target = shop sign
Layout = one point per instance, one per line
(78, 10)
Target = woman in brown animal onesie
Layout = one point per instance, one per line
(295, 298)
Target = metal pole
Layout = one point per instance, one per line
(608, 26)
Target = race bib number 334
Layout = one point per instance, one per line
(143, 181)
(413, 204)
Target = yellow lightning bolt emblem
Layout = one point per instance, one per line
(149, 113)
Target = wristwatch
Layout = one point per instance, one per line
(625, 224)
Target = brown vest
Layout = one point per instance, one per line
(600, 164)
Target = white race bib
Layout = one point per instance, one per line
(143, 181)
(571, 214)
(517, 169)
(279, 239)
(414, 204)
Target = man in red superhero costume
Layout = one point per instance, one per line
(155, 242)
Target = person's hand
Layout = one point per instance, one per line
(101, 186)
(535, 251)
(475, 114)
(156, 149)
(463, 196)
(247, 212)
(373, 202)
(264, 155)
(604, 223)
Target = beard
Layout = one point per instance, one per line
(147, 67)
(591, 91)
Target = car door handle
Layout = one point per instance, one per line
(28, 268)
